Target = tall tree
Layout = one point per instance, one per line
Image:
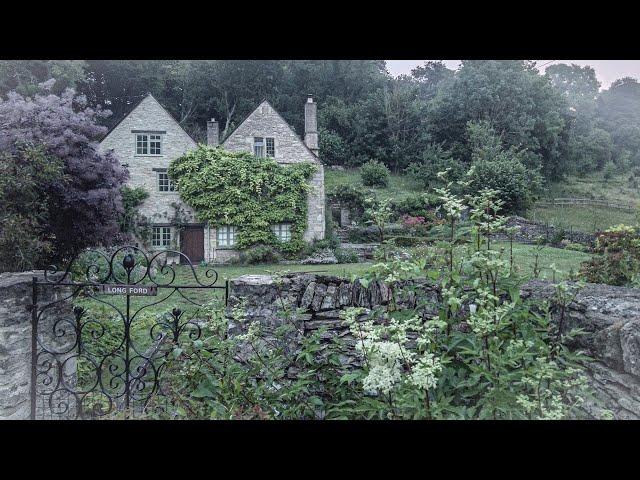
(520, 104)
(619, 114)
(23, 76)
(587, 147)
(430, 76)
(83, 207)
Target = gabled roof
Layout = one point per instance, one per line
(136, 105)
(281, 118)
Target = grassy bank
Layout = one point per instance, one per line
(586, 218)
(400, 186)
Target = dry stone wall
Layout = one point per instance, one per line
(529, 232)
(609, 315)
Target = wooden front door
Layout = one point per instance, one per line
(192, 244)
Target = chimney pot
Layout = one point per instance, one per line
(213, 133)
(311, 125)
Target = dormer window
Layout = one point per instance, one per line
(264, 147)
(148, 144)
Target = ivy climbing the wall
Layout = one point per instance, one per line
(250, 193)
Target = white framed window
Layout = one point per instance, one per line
(161, 237)
(271, 146)
(142, 144)
(282, 231)
(155, 145)
(226, 236)
(148, 144)
(264, 146)
(164, 182)
(258, 146)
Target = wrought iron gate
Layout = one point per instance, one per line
(96, 349)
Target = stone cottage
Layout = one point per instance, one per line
(149, 138)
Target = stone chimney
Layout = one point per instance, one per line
(311, 125)
(213, 133)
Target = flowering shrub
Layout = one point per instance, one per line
(412, 222)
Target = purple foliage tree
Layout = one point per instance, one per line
(83, 207)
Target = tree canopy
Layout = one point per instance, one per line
(79, 200)
(559, 120)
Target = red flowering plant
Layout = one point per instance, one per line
(417, 225)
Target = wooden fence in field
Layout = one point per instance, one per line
(591, 202)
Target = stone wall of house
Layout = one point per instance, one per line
(609, 315)
(149, 115)
(15, 338)
(289, 148)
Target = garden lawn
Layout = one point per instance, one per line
(564, 260)
(619, 189)
(400, 186)
(581, 218)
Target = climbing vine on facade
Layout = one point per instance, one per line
(247, 192)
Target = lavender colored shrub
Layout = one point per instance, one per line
(78, 208)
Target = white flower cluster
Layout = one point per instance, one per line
(424, 374)
(388, 359)
(252, 332)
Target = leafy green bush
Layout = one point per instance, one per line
(416, 205)
(346, 255)
(619, 259)
(374, 174)
(494, 167)
(132, 198)
(576, 247)
(406, 241)
(348, 196)
(318, 245)
(260, 254)
(609, 170)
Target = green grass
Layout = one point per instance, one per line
(581, 218)
(587, 218)
(564, 260)
(400, 186)
(617, 189)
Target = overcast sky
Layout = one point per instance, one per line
(607, 71)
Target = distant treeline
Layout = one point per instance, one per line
(557, 123)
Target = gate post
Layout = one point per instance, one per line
(16, 290)
(34, 345)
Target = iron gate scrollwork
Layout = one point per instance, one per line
(94, 352)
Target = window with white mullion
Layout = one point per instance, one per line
(282, 231)
(155, 145)
(148, 144)
(164, 182)
(226, 236)
(142, 144)
(161, 236)
(270, 146)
